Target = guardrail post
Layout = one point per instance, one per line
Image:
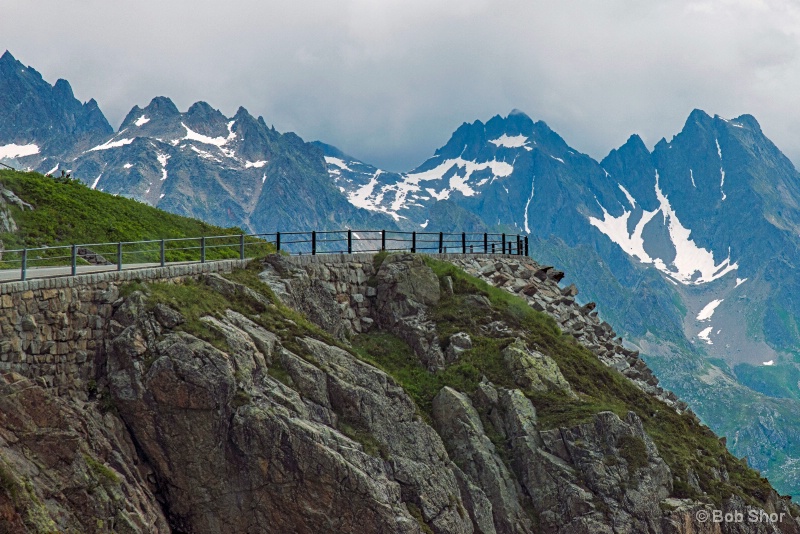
(203, 249)
(24, 267)
(74, 259)
(162, 253)
(504, 243)
(383, 240)
(492, 248)
(119, 256)
(441, 242)
(313, 243)
(241, 246)
(526, 246)
(349, 241)
(413, 242)
(519, 245)
(463, 242)
(278, 241)
(485, 243)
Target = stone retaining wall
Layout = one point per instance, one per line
(53, 329)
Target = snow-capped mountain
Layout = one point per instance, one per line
(230, 171)
(691, 248)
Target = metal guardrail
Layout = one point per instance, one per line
(160, 252)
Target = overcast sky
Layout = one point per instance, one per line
(388, 81)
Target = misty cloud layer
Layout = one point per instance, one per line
(388, 81)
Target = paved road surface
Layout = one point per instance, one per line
(11, 275)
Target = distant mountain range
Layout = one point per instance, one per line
(691, 248)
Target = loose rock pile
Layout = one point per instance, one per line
(539, 286)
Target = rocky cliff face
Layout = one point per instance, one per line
(410, 397)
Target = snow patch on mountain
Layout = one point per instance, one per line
(528, 203)
(18, 151)
(338, 162)
(361, 196)
(740, 281)
(705, 334)
(616, 228)
(111, 144)
(141, 121)
(515, 141)
(162, 159)
(708, 310)
(191, 135)
(404, 190)
(692, 264)
(256, 164)
(628, 196)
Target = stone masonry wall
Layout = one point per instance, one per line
(53, 329)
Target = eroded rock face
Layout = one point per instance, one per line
(235, 450)
(69, 468)
(406, 289)
(535, 371)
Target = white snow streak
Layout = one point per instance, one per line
(528, 203)
(628, 196)
(691, 175)
(516, 141)
(338, 162)
(690, 259)
(692, 264)
(127, 166)
(705, 333)
(257, 164)
(162, 159)
(771, 362)
(708, 310)
(425, 224)
(500, 169)
(141, 121)
(54, 169)
(191, 135)
(111, 144)
(360, 197)
(264, 178)
(740, 281)
(96, 180)
(18, 151)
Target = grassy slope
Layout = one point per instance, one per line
(68, 212)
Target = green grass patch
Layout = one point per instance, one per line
(68, 212)
(101, 471)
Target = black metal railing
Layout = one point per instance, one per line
(64, 260)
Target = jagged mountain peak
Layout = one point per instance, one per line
(161, 106)
(202, 111)
(7, 56)
(62, 89)
(748, 121)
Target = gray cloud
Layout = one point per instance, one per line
(389, 80)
